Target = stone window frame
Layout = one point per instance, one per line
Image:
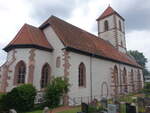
(106, 25)
(82, 75)
(45, 75)
(20, 73)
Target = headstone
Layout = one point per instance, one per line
(84, 107)
(12, 111)
(39, 98)
(147, 109)
(104, 102)
(130, 108)
(46, 110)
(112, 108)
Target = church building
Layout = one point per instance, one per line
(96, 66)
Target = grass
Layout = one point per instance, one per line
(73, 110)
(37, 111)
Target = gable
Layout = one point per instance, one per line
(29, 37)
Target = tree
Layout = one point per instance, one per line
(140, 58)
(20, 98)
(55, 90)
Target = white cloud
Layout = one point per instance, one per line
(139, 40)
(14, 13)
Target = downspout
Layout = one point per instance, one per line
(91, 85)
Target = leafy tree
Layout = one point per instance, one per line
(140, 58)
(146, 89)
(55, 90)
(20, 98)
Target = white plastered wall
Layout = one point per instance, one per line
(101, 72)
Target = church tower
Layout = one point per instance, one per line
(111, 28)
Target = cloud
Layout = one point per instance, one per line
(139, 40)
(2, 55)
(135, 12)
(41, 10)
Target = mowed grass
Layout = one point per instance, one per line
(37, 111)
(73, 110)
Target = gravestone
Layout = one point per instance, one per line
(104, 102)
(147, 109)
(112, 108)
(12, 111)
(130, 108)
(46, 110)
(84, 107)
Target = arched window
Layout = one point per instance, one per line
(20, 72)
(120, 27)
(58, 62)
(45, 75)
(116, 79)
(125, 80)
(132, 81)
(139, 80)
(106, 26)
(82, 75)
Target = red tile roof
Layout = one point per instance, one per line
(29, 35)
(78, 39)
(109, 11)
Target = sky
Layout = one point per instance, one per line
(81, 13)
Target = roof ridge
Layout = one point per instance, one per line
(30, 33)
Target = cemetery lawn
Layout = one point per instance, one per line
(38, 111)
(73, 110)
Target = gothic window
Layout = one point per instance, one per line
(125, 80)
(58, 62)
(116, 79)
(20, 72)
(82, 75)
(120, 27)
(132, 80)
(139, 80)
(45, 75)
(121, 43)
(106, 26)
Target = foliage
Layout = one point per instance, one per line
(20, 98)
(146, 89)
(2, 106)
(55, 90)
(140, 58)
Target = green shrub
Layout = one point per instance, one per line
(146, 88)
(20, 98)
(55, 90)
(2, 105)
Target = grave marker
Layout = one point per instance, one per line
(12, 111)
(112, 108)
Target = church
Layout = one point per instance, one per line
(96, 66)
